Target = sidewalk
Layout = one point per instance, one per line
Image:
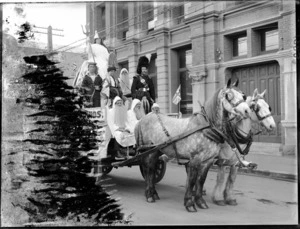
(270, 163)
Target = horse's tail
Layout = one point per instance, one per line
(146, 105)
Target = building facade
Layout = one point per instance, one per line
(201, 44)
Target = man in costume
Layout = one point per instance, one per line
(91, 86)
(111, 85)
(155, 108)
(142, 87)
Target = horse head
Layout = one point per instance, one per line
(234, 100)
(261, 111)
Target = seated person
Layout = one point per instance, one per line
(117, 120)
(135, 113)
(155, 108)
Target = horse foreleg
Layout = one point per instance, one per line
(189, 203)
(228, 192)
(201, 203)
(217, 196)
(149, 165)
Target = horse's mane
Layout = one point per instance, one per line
(210, 106)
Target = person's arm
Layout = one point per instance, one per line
(133, 87)
(152, 90)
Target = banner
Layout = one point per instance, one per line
(177, 96)
(97, 113)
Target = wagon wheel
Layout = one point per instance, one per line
(160, 170)
(106, 169)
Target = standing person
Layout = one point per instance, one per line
(111, 85)
(142, 87)
(92, 85)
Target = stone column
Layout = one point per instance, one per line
(289, 119)
(132, 58)
(162, 64)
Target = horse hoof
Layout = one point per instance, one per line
(150, 200)
(193, 208)
(231, 202)
(202, 205)
(156, 197)
(220, 202)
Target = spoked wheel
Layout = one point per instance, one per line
(106, 169)
(160, 170)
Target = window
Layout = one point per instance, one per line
(269, 40)
(239, 46)
(101, 21)
(178, 13)
(122, 20)
(185, 60)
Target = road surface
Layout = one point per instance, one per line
(260, 200)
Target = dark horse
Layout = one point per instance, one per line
(199, 147)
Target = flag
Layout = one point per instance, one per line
(177, 96)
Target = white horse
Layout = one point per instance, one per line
(260, 113)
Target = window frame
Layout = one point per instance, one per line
(263, 39)
(235, 49)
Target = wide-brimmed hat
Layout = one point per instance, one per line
(112, 68)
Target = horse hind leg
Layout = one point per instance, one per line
(228, 192)
(217, 196)
(203, 170)
(190, 183)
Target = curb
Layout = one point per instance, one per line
(255, 172)
(262, 173)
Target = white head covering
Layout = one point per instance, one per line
(155, 105)
(117, 98)
(96, 35)
(125, 82)
(134, 103)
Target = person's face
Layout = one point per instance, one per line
(92, 68)
(97, 41)
(144, 71)
(155, 110)
(138, 106)
(119, 103)
(112, 72)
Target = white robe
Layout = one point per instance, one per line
(131, 116)
(123, 138)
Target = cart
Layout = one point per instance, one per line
(132, 154)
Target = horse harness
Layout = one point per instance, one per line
(173, 144)
(255, 107)
(229, 96)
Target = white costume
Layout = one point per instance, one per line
(119, 132)
(131, 116)
(125, 82)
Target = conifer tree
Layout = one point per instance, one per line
(62, 138)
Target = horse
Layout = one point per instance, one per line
(199, 147)
(260, 113)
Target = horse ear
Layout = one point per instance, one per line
(229, 83)
(263, 94)
(236, 83)
(254, 94)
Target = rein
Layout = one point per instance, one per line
(169, 136)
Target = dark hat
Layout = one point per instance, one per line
(112, 68)
(143, 62)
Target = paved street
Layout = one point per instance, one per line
(260, 200)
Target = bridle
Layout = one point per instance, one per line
(229, 96)
(256, 108)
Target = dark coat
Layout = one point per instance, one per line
(92, 95)
(137, 85)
